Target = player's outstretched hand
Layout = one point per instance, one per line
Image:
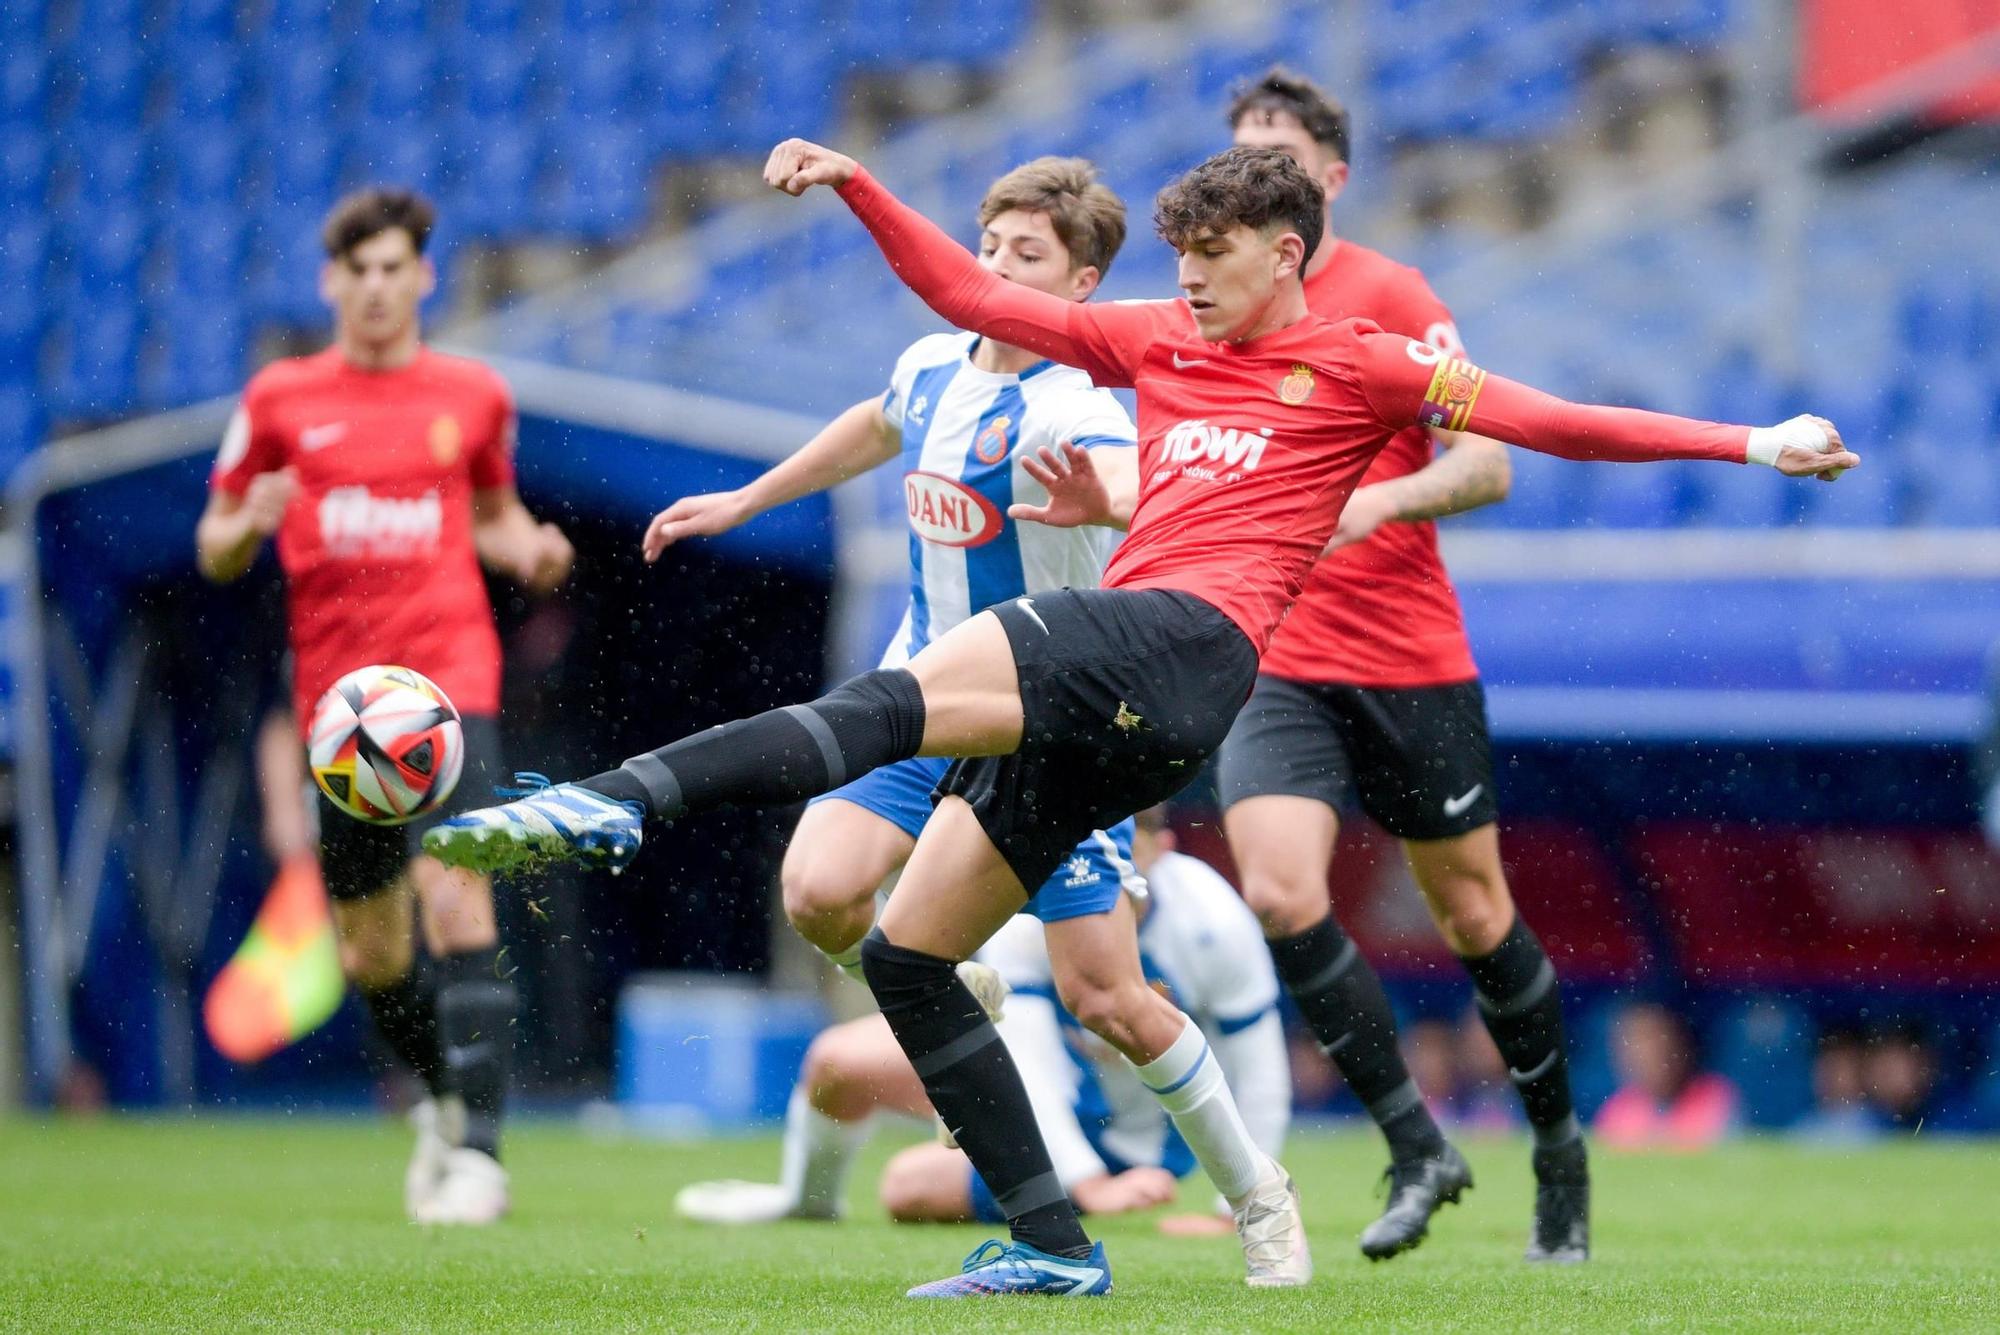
(797, 165)
(549, 560)
(693, 517)
(1134, 1189)
(1811, 446)
(1077, 494)
(265, 499)
(1367, 509)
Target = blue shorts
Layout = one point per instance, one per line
(1089, 880)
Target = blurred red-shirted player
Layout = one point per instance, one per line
(1368, 693)
(385, 471)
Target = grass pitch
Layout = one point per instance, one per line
(295, 1224)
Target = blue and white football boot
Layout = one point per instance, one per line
(545, 823)
(999, 1269)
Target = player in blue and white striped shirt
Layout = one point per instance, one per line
(960, 413)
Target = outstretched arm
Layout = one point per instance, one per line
(1407, 381)
(945, 274)
(846, 447)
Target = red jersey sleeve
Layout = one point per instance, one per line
(1108, 342)
(250, 444)
(492, 458)
(1410, 382)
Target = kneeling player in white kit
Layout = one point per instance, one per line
(1111, 1143)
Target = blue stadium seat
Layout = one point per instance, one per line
(207, 75)
(285, 260)
(107, 249)
(599, 188)
(302, 20)
(24, 283)
(595, 16)
(24, 83)
(393, 152)
(207, 161)
(206, 347)
(502, 166)
(301, 162)
(400, 78)
(115, 74)
(22, 424)
(493, 17)
(24, 167)
(302, 78)
(600, 74)
(208, 252)
(397, 18)
(495, 74)
(98, 362)
(210, 18)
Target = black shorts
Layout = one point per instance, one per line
(1125, 693)
(1417, 759)
(358, 859)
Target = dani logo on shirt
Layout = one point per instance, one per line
(945, 511)
(354, 522)
(1202, 449)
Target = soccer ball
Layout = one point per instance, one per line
(385, 745)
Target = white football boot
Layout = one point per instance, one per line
(440, 1127)
(1274, 1233)
(472, 1191)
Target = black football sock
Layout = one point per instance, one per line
(973, 1084)
(475, 1010)
(405, 1013)
(1343, 1003)
(1522, 1006)
(782, 755)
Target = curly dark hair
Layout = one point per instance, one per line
(1279, 91)
(371, 212)
(1260, 188)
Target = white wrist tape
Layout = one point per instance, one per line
(1768, 442)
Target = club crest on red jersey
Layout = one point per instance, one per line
(1297, 387)
(446, 440)
(991, 445)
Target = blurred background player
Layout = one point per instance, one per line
(1112, 1146)
(1368, 691)
(962, 412)
(385, 472)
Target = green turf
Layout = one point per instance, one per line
(294, 1224)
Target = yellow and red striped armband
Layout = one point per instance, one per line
(1454, 388)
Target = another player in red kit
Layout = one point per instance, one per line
(1368, 693)
(1067, 708)
(385, 472)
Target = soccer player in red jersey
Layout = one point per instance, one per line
(385, 472)
(1368, 690)
(1064, 709)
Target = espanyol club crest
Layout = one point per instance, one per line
(991, 446)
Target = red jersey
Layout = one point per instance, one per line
(1382, 611)
(1248, 450)
(376, 544)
